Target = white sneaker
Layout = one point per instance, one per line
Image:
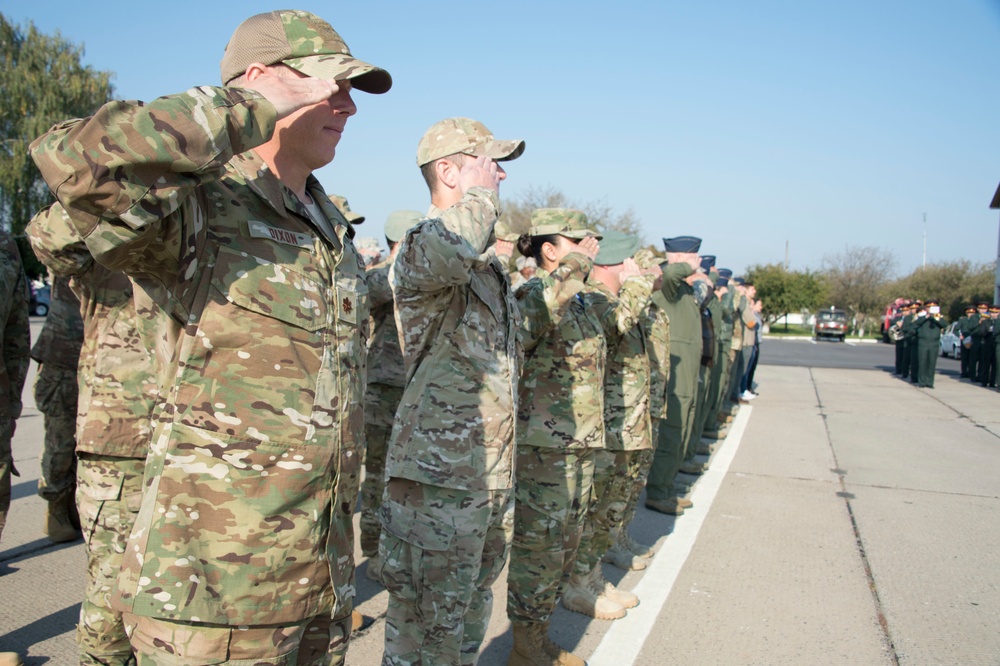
(747, 395)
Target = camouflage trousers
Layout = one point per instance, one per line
(308, 642)
(7, 469)
(638, 471)
(440, 552)
(380, 411)
(607, 507)
(56, 395)
(108, 494)
(551, 499)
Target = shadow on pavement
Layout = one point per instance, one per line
(39, 631)
(23, 489)
(32, 548)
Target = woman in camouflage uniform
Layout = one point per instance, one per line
(560, 424)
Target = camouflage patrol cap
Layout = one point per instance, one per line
(616, 247)
(561, 221)
(399, 222)
(342, 205)
(304, 42)
(452, 136)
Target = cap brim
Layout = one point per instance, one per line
(580, 234)
(501, 151)
(366, 78)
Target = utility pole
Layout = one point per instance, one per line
(786, 255)
(924, 265)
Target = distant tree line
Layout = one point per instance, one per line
(862, 281)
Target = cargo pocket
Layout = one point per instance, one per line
(96, 484)
(409, 538)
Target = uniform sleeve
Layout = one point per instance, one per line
(544, 301)
(379, 292)
(126, 168)
(673, 276)
(442, 252)
(57, 243)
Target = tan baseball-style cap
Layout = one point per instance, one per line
(304, 42)
(452, 136)
(345, 208)
(399, 222)
(562, 221)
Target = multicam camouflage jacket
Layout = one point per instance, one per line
(455, 425)
(561, 393)
(61, 338)
(656, 323)
(15, 335)
(626, 375)
(253, 468)
(117, 375)
(385, 357)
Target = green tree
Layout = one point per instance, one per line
(43, 82)
(855, 279)
(784, 292)
(954, 283)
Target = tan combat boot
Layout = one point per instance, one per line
(581, 597)
(640, 549)
(58, 522)
(667, 506)
(603, 587)
(10, 659)
(533, 647)
(623, 558)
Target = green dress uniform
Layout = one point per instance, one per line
(928, 337)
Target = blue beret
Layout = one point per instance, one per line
(682, 244)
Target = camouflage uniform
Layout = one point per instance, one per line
(656, 324)
(447, 513)
(560, 424)
(261, 349)
(15, 340)
(685, 354)
(386, 380)
(57, 351)
(117, 384)
(626, 413)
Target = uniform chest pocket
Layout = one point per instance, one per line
(270, 289)
(352, 300)
(489, 295)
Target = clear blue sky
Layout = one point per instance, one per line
(823, 124)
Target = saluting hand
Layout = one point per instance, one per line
(630, 269)
(287, 93)
(479, 172)
(504, 251)
(589, 246)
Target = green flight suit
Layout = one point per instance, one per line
(676, 298)
(928, 337)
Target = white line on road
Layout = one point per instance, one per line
(624, 640)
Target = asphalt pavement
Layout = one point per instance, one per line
(848, 518)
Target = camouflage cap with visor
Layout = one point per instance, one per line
(302, 41)
(453, 136)
(345, 208)
(562, 222)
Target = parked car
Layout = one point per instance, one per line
(830, 323)
(951, 345)
(40, 299)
